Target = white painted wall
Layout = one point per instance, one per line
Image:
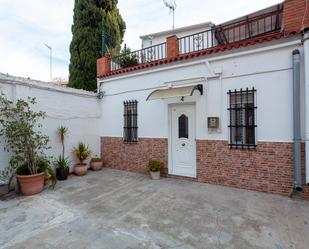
(78, 110)
(269, 70)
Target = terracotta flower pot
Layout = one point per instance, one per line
(80, 169)
(4, 189)
(155, 175)
(96, 165)
(47, 179)
(31, 184)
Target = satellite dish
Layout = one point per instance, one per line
(171, 4)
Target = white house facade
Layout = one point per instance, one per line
(231, 110)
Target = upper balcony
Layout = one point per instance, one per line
(232, 32)
(264, 22)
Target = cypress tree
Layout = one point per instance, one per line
(91, 19)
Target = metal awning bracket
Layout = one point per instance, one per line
(198, 87)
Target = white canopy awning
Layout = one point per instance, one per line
(175, 92)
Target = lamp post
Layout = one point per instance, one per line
(50, 61)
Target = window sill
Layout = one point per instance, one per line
(243, 146)
(126, 142)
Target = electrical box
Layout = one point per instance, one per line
(213, 122)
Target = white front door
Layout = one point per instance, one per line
(182, 140)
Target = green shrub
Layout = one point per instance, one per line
(82, 152)
(7, 174)
(155, 165)
(127, 58)
(62, 162)
(20, 129)
(96, 158)
(45, 167)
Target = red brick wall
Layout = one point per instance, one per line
(133, 157)
(103, 65)
(268, 168)
(305, 193)
(293, 14)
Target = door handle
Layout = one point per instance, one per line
(183, 145)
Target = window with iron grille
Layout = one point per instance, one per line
(242, 115)
(130, 122)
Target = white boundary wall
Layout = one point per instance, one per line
(77, 109)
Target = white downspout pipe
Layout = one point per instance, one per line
(306, 67)
(296, 120)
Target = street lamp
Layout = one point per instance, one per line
(51, 61)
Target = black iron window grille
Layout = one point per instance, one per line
(130, 122)
(242, 115)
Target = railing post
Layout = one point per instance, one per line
(103, 65)
(172, 46)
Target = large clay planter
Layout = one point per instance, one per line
(155, 175)
(31, 184)
(80, 169)
(96, 165)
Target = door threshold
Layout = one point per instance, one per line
(190, 178)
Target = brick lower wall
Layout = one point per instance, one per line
(305, 193)
(133, 157)
(268, 168)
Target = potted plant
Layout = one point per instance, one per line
(4, 188)
(96, 163)
(44, 166)
(6, 177)
(24, 140)
(62, 168)
(62, 163)
(82, 152)
(154, 168)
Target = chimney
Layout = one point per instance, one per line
(295, 16)
(103, 65)
(172, 46)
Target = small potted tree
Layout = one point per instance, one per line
(155, 168)
(96, 163)
(24, 140)
(82, 152)
(62, 163)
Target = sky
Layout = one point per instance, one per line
(26, 25)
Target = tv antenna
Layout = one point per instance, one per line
(171, 4)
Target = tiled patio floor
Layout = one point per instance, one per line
(114, 209)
